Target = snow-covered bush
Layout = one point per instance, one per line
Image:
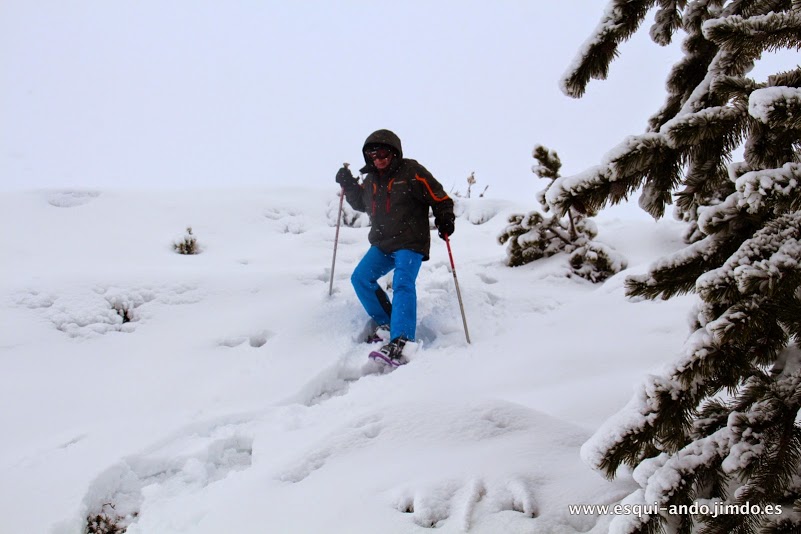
(596, 262)
(534, 235)
(187, 244)
(98, 312)
(107, 522)
(475, 210)
(719, 426)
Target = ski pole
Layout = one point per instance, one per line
(458, 293)
(336, 237)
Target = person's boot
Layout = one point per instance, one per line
(391, 354)
(379, 333)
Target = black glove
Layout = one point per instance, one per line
(445, 226)
(345, 178)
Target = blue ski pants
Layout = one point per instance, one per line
(401, 314)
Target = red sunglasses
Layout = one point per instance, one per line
(378, 153)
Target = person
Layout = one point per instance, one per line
(396, 192)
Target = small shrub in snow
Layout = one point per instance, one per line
(108, 521)
(534, 236)
(476, 210)
(471, 181)
(125, 309)
(596, 262)
(350, 217)
(471, 209)
(187, 244)
(125, 313)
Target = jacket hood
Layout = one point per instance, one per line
(383, 137)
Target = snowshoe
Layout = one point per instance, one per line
(394, 353)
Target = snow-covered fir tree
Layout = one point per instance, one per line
(720, 426)
(534, 236)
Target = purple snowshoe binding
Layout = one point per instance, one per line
(391, 354)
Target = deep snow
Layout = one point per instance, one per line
(231, 402)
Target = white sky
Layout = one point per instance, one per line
(198, 93)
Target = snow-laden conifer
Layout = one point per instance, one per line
(534, 235)
(718, 426)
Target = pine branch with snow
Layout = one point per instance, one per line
(745, 37)
(715, 426)
(777, 106)
(666, 21)
(692, 137)
(621, 19)
(548, 163)
(686, 75)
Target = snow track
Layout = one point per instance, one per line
(111, 342)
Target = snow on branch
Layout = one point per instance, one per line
(605, 450)
(749, 440)
(759, 192)
(619, 22)
(763, 189)
(761, 261)
(777, 106)
(664, 482)
(635, 155)
(621, 172)
(689, 72)
(790, 78)
(677, 274)
(715, 425)
(756, 34)
(658, 412)
(560, 195)
(707, 124)
(548, 162)
(742, 40)
(713, 218)
(764, 276)
(666, 21)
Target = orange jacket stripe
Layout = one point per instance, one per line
(430, 191)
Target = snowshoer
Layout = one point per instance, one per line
(397, 193)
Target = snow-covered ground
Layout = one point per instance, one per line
(231, 401)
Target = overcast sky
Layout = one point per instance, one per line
(143, 94)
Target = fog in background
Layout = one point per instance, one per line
(149, 94)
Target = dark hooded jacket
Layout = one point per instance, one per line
(398, 199)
